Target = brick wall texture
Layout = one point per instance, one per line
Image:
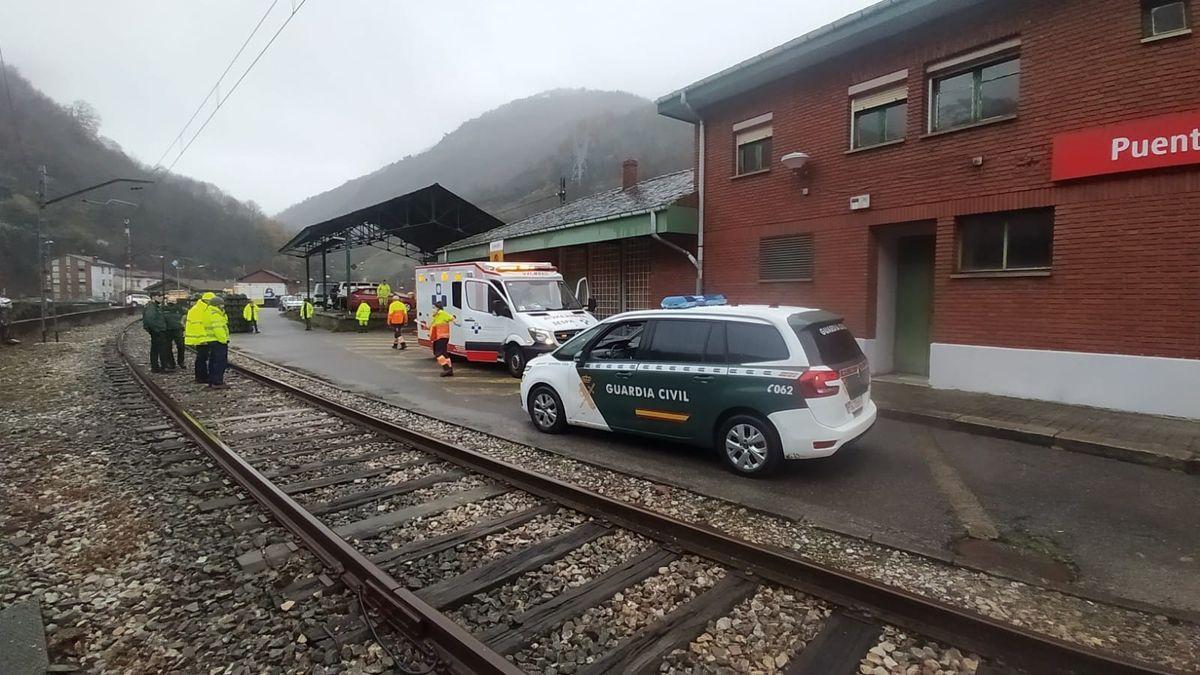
(1125, 274)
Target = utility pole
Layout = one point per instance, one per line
(128, 259)
(43, 266)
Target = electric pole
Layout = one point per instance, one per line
(43, 266)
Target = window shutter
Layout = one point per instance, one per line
(755, 134)
(786, 258)
(877, 99)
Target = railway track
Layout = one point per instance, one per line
(475, 565)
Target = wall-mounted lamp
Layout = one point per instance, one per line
(795, 160)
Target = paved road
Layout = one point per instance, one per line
(1130, 530)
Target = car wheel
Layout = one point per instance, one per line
(546, 410)
(749, 446)
(514, 360)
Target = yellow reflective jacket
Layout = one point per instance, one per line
(363, 312)
(439, 324)
(195, 329)
(397, 313)
(250, 311)
(217, 325)
(383, 291)
(306, 310)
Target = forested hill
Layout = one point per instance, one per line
(509, 160)
(176, 217)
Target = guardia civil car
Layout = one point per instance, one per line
(759, 384)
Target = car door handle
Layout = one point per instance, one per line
(702, 378)
(625, 374)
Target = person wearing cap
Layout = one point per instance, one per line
(250, 314)
(306, 313)
(397, 316)
(217, 325)
(154, 320)
(174, 313)
(195, 335)
(439, 334)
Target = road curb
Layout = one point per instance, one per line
(1050, 439)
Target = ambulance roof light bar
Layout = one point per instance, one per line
(517, 267)
(687, 301)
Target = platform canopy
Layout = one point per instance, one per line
(416, 224)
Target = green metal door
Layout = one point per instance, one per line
(914, 304)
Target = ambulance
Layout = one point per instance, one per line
(758, 384)
(504, 312)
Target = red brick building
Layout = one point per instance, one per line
(1001, 195)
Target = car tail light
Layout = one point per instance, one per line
(816, 383)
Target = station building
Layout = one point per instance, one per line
(634, 244)
(1000, 196)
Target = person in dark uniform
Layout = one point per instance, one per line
(174, 313)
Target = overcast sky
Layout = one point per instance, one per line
(351, 85)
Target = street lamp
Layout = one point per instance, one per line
(43, 202)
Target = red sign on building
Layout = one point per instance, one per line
(1151, 143)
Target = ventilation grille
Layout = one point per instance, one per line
(787, 258)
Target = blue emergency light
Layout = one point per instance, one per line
(686, 301)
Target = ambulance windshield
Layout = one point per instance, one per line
(541, 295)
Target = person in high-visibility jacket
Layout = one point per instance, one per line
(195, 335)
(363, 314)
(397, 316)
(217, 324)
(306, 312)
(383, 292)
(250, 314)
(439, 334)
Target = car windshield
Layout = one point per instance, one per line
(541, 295)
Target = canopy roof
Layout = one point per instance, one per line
(416, 224)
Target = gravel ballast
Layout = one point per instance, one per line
(131, 577)
(1146, 636)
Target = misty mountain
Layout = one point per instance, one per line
(509, 160)
(176, 217)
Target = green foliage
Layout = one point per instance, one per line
(176, 217)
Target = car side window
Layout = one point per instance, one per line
(714, 351)
(754, 342)
(619, 344)
(677, 340)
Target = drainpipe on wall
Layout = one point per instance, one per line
(698, 261)
(656, 237)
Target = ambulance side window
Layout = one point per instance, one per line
(619, 344)
(456, 294)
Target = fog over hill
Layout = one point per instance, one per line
(509, 159)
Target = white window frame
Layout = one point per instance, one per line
(874, 93)
(750, 131)
(1146, 16)
(996, 53)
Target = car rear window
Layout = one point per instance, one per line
(753, 342)
(826, 342)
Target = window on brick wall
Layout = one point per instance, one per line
(1006, 242)
(786, 258)
(878, 117)
(752, 144)
(1163, 19)
(976, 87)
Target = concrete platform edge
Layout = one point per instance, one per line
(1145, 457)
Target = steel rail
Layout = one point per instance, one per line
(1012, 645)
(457, 650)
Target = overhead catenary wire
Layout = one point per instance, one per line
(217, 84)
(236, 84)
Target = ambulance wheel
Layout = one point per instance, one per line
(749, 446)
(546, 410)
(514, 361)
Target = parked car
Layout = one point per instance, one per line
(368, 296)
(137, 300)
(287, 302)
(759, 384)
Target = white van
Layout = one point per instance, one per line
(503, 311)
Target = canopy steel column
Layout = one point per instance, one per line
(324, 281)
(347, 243)
(307, 280)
